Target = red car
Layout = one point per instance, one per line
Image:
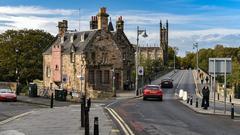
(7, 94)
(152, 91)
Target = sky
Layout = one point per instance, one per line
(207, 22)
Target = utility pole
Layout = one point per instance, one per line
(17, 70)
(113, 83)
(175, 53)
(195, 45)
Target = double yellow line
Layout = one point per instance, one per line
(121, 122)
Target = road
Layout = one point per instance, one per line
(10, 109)
(171, 117)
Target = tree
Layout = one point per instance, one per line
(31, 45)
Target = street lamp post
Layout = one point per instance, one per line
(113, 83)
(81, 76)
(139, 32)
(195, 45)
(17, 70)
(175, 53)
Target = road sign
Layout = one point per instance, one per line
(221, 65)
(140, 70)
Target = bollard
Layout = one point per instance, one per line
(86, 120)
(196, 102)
(96, 126)
(218, 96)
(188, 99)
(51, 104)
(191, 100)
(83, 101)
(230, 99)
(232, 111)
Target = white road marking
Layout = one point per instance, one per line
(112, 103)
(14, 117)
(11, 132)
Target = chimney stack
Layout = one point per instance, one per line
(93, 23)
(62, 27)
(102, 19)
(120, 24)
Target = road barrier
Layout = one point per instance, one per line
(180, 93)
(184, 95)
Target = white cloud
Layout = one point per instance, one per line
(33, 17)
(33, 10)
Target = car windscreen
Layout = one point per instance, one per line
(5, 91)
(152, 87)
(166, 80)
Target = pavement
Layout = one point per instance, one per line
(219, 110)
(63, 119)
(57, 121)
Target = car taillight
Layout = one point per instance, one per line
(146, 91)
(159, 92)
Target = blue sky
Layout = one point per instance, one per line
(208, 22)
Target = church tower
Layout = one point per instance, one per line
(164, 41)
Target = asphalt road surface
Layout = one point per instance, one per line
(171, 117)
(10, 109)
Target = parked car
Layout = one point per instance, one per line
(166, 83)
(6, 94)
(152, 91)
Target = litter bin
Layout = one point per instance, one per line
(32, 90)
(60, 95)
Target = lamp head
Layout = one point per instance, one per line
(145, 34)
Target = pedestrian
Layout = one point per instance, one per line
(149, 79)
(205, 99)
(206, 79)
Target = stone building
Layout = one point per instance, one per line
(91, 61)
(157, 52)
(151, 52)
